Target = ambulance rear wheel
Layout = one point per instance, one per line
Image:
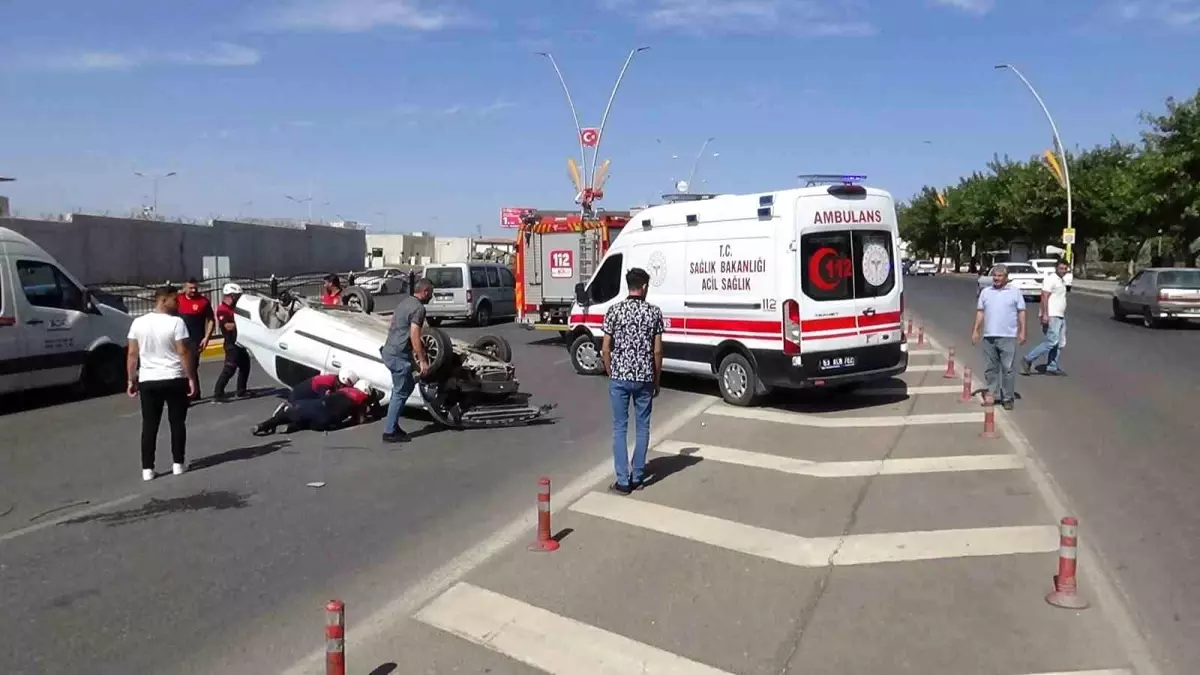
(585, 356)
(737, 380)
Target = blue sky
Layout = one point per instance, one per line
(432, 114)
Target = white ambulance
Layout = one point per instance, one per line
(795, 288)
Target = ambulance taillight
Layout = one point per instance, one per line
(791, 328)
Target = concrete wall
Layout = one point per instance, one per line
(401, 249)
(452, 249)
(97, 249)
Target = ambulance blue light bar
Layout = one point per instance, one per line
(830, 178)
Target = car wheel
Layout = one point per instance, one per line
(495, 345)
(104, 371)
(737, 380)
(433, 321)
(1148, 319)
(1117, 310)
(438, 348)
(585, 356)
(483, 315)
(359, 299)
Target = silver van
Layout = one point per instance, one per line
(478, 292)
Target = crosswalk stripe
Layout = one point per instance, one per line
(548, 641)
(911, 391)
(854, 549)
(804, 467)
(801, 419)
(924, 352)
(924, 368)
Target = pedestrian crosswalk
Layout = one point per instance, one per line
(567, 639)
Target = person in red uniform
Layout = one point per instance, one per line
(197, 314)
(332, 293)
(321, 385)
(344, 406)
(237, 359)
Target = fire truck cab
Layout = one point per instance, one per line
(556, 250)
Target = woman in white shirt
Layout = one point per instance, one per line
(165, 376)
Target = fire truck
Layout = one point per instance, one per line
(555, 251)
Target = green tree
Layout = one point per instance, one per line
(1173, 143)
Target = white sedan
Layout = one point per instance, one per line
(469, 384)
(1022, 276)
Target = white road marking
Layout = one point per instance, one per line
(547, 641)
(925, 369)
(804, 467)
(377, 625)
(924, 352)
(559, 362)
(911, 391)
(69, 516)
(800, 419)
(1110, 671)
(854, 549)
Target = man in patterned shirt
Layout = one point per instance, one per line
(632, 353)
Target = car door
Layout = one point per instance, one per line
(302, 347)
(500, 299)
(1131, 298)
(12, 343)
(508, 284)
(55, 326)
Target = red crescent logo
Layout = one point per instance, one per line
(814, 269)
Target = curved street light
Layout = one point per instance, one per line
(1060, 148)
(155, 178)
(696, 164)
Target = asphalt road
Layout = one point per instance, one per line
(1120, 437)
(227, 568)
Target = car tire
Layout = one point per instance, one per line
(483, 314)
(433, 321)
(358, 298)
(438, 348)
(104, 371)
(1148, 319)
(585, 355)
(1118, 311)
(737, 381)
(496, 346)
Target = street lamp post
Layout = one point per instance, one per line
(155, 178)
(1059, 147)
(696, 164)
(304, 200)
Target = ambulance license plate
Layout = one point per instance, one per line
(837, 363)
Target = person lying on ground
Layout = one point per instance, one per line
(345, 406)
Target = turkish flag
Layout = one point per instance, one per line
(589, 136)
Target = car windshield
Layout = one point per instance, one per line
(1180, 278)
(445, 277)
(1021, 269)
(371, 273)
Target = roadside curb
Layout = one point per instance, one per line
(1113, 601)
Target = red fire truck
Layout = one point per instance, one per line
(555, 251)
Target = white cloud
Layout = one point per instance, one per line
(222, 54)
(455, 110)
(802, 17)
(355, 16)
(972, 6)
(1180, 13)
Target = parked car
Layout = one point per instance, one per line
(469, 384)
(922, 268)
(1021, 276)
(383, 280)
(1047, 266)
(476, 292)
(1159, 294)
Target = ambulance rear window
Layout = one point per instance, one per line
(847, 265)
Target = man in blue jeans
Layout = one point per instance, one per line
(632, 354)
(1054, 323)
(403, 343)
(1000, 322)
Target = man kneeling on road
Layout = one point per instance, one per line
(321, 385)
(1000, 321)
(344, 406)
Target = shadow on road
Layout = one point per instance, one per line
(41, 398)
(661, 468)
(239, 454)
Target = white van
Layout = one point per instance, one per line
(52, 330)
(795, 288)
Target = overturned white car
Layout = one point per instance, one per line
(469, 384)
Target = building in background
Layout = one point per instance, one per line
(4, 212)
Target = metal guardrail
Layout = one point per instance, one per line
(137, 299)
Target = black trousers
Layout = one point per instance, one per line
(194, 350)
(154, 395)
(237, 359)
(314, 414)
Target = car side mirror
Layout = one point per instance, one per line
(581, 294)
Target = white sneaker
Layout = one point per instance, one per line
(147, 474)
(178, 469)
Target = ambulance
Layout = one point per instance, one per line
(790, 289)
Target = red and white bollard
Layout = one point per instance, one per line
(966, 390)
(921, 336)
(989, 416)
(910, 327)
(1064, 594)
(545, 540)
(335, 638)
(949, 374)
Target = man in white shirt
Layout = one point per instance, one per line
(165, 376)
(1054, 323)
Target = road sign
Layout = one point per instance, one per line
(589, 136)
(510, 216)
(1068, 236)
